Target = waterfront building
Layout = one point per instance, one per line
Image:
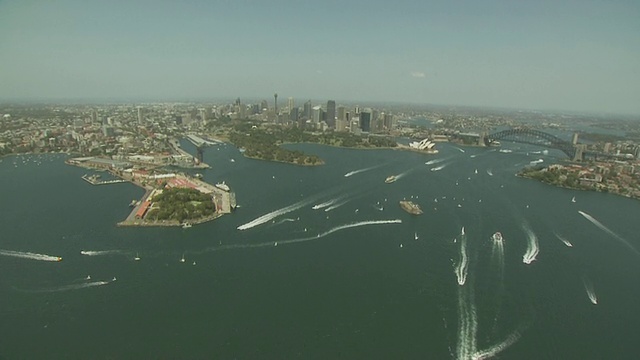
(318, 114)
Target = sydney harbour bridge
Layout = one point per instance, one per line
(575, 152)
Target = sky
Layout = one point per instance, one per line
(545, 55)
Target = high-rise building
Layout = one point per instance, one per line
(290, 103)
(306, 113)
(341, 112)
(293, 114)
(318, 114)
(365, 120)
(331, 113)
(264, 105)
(94, 116)
(140, 115)
(387, 121)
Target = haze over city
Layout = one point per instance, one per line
(574, 55)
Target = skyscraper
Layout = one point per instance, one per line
(140, 116)
(275, 102)
(291, 104)
(317, 114)
(331, 113)
(365, 120)
(307, 110)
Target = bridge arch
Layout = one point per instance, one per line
(533, 137)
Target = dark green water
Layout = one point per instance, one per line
(353, 292)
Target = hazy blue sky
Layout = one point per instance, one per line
(574, 55)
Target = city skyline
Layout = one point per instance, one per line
(574, 56)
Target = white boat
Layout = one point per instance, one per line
(88, 277)
(275, 244)
(182, 259)
(137, 258)
(114, 279)
(194, 263)
(573, 199)
(415, 236)
(186, 225)
(497, 236)
(223, 186)
(390, 179)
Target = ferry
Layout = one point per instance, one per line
(497, 236)
(390, 179)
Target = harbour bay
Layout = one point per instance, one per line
(369, 290)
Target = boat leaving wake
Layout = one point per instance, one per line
(324, 204)
(435, 161)
(532, 245)
(31, 256)
(461, 269)
(457, 148)
(564, 240)
(274, 214)
(588, 287)
(494, 350)
(361, 170)
(102, 252)
(73, 287)
(489, 172)
(335, 206)
(438, 168)
(607, 230)
(310, 238)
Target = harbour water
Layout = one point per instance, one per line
(277, 279)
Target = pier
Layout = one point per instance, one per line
(95, 180)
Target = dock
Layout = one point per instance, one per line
(95, 180)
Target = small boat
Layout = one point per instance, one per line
(186, 225)
(390, 179)
(58, 258)
(573, 199)
(400, 245)
(275, 244)
(114, 279)
(88, 277)
(462, 232)
(194, 263)
(497, 236)
(137, 258)
(182, 259)
(415, 236)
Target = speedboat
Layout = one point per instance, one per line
(58, 258)
(415, 236)
(137, 258)
(390, 179)
(573, 199)
(182, 259)
(497, 236)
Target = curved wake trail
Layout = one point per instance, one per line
(30, 256)
(588, 287)
(461, 269)
(274, 214)
(532, 245)
(102, 252)
(607, 230)
(457, 148)
(494, 350)
(564, 240)
(360, 170)
(310, 238)
(489, 172)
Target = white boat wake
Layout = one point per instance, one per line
(607, 230)
(435, 161)
(494, 350)
(564, 240)
(102, 252)
(467, 323)
(489, 172)
(274, 214)
(324, 204)
(73, 287)
(310, 238)
(438, 168)
(588, 287)
(30, 256)
(463, 264)
(532, 245)
(361, 170)
(457, 148)
(335, 206)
